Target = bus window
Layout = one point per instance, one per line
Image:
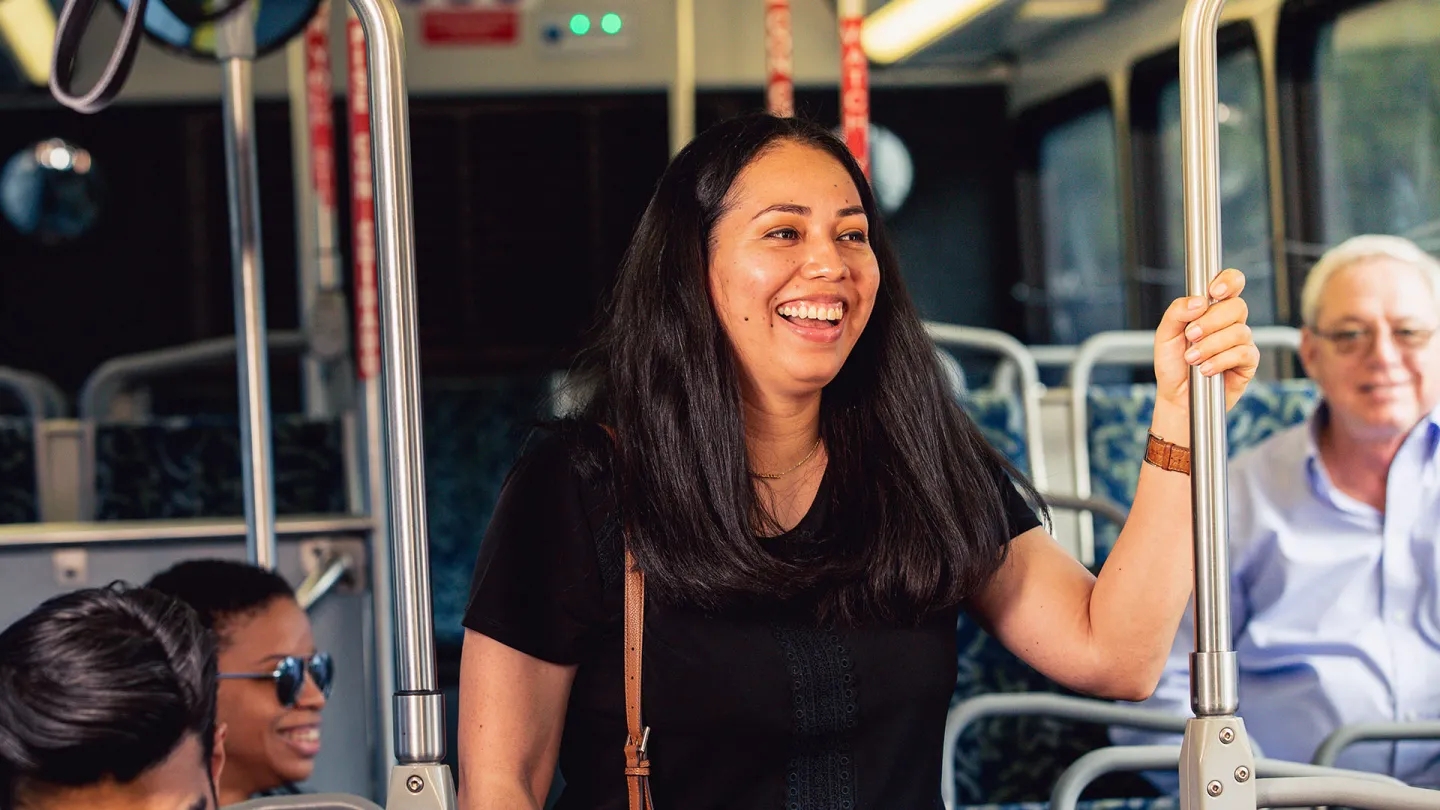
(1378, 73)
(1244, 189)
(1080, 220)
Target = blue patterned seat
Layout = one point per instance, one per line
(1119, 417)
(18, 493)
(1000, 417)
(1015, 761)
(182, 467)
(473, 434)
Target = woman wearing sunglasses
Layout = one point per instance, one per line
(273, 682)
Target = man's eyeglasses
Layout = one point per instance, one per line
(289, 676)
(1350, 341)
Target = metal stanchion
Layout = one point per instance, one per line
(367, 355)
(235, 47)
(420, 779)
(1217, 764)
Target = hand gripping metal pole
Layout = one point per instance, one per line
(235, 45)
(420, 779)
(1217, 765)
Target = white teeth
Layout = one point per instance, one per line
(827, 312)
(304, 735)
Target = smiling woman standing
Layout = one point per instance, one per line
(769, 441)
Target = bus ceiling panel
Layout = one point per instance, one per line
(1006, 30)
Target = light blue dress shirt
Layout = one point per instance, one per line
(1335, 607)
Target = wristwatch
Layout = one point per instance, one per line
(1167, 455)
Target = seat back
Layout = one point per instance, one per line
(1001, 419)
(1119, 421)
(19, 494)
(183, 467)
(1009, 759)
(473, 434)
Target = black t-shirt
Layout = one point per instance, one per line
(752, 710)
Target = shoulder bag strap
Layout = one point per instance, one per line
(637, 735)
(637, 761)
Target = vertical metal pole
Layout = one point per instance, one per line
(372, 412)
(235, 47)
(854, 82)
(419, 707)
(1213, 670)
(779, 59)
(1217, 765)
(682, 89)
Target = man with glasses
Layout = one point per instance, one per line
(1335, 528)
(107, 702)
(273, 681)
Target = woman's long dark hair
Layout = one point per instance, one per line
(914, 487)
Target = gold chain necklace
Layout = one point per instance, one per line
(798, 465)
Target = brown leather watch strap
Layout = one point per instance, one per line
(1167, 455)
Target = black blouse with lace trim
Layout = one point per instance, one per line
(746, 711)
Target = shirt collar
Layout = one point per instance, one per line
(1426, 430)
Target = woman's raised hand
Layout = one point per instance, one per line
(1215, 338)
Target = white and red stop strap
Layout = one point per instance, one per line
(779, 59)
(854, 82)
(362, 206)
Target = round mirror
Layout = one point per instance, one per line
(276, 22)
(891, 167)
(892, 172)
(50, 191)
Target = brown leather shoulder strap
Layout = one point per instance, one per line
(637, 735)
(637, 761)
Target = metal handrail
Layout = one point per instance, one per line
(22, 385)
(1096, 504)
(1022, 704)
(1131, 758)
(55, 404)
(112, 376)
(1216, 763)
(420, 777)
(991, 340)
(89, 533)
(323, 580)
(1347, 735)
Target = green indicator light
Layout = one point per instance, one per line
(611, 23)
(580, 25)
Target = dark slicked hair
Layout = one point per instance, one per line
(221, 590)
(101, 683)
(916, 489)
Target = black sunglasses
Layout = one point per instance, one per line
(289, 676)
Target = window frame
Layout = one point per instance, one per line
(1148, 78)
(1032, 125)
(1298, 91)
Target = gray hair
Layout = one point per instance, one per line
(1359, 249)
